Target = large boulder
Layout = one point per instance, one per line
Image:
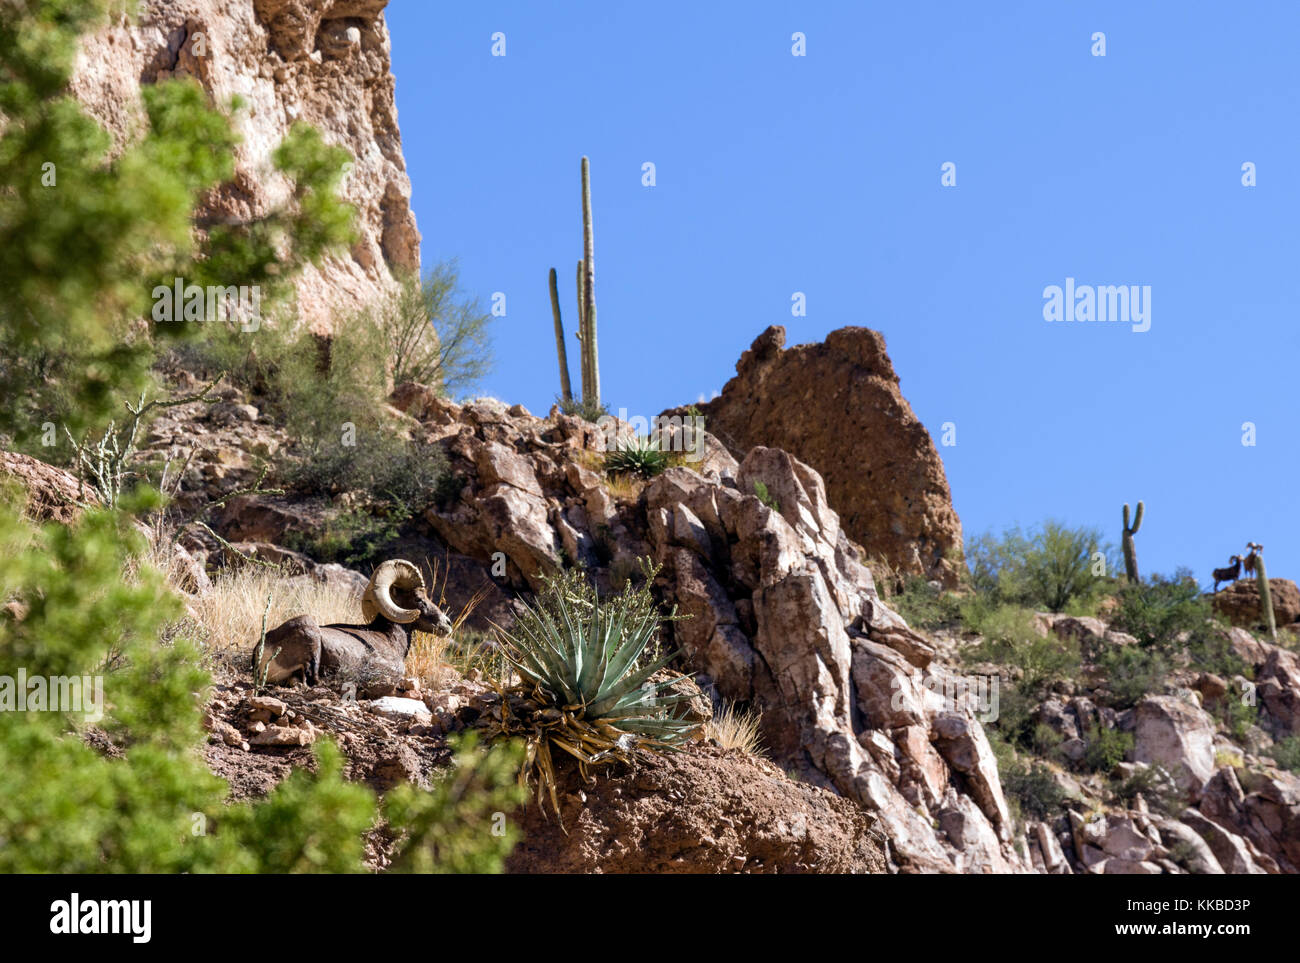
(1177, 736)
(1239, 602)
(837, 407)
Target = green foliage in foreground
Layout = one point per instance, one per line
(67, 808)
(88, 228)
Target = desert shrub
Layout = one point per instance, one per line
(1155, 786)
(1235, 714)
(766, 497)
(1286, 753)
(1011, 639)
(1107, 749)
(1209, 648)
(332, 403)
(584, 409)
(1029, 787)
(1158, 609)
(1048, 568)
(1130, 672)
(1015, 721)
(925, 606)
(433, 334)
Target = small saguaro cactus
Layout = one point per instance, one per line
(1130, 551)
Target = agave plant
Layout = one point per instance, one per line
(636, 456)
(585, 667)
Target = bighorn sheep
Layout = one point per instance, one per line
(1249, 560)
(394, 606)
(1229, 574)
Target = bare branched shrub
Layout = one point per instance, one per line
(434, 334)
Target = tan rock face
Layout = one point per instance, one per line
(324, 62)
(836, 406)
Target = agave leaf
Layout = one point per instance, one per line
(627, 692)
(633, 645)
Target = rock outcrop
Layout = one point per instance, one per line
(783, 614)
(324, 62)
(1239, 602)
(837, 407)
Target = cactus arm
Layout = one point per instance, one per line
(589, 289)
(566, 391)
(1130, 549)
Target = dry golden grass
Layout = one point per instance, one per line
(625, 487)
(230, 616)
(734, 728)
(228, 619)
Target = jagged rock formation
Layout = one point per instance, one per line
(784, 615)
(837, 407)
(325, 62)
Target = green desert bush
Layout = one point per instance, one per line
(1011, 639)
(924, 606)
(433, 334)
(1107, 749)
(1286, 753)
(1030, 788)
(1158, 609)
(1129, 672)
(330, 397)
(1051, 567)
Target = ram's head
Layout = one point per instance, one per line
(397, 593)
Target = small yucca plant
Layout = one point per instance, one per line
(585, 665)
(636, 456)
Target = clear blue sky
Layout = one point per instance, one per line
(821, 174)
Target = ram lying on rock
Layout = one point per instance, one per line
(394, 605)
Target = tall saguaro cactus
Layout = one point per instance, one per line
(589, 366)
(591, 378)
(566, 392)
(1265, 596)
(1130, 551)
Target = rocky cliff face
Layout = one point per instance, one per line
(837, 406)
(324, 62)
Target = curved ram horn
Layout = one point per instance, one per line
(378, 600)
